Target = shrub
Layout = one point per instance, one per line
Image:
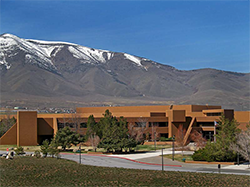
(52, 150)
(19, 150)
(163, 139)
(45, 147)
(199, 155)
(37, 154)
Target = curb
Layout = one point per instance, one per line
(124, 159)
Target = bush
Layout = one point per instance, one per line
(45, 147)
(37, 154)
(213, 153)
(163, 139)
(19, 150)
(52, 150)
(166, 139)
(199, 155)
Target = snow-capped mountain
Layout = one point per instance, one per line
(35, 72)
(42, 53)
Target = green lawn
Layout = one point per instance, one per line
(26, 148)
(150, 147)
(179, 157)
(29, 171)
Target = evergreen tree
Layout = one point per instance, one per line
(114, 133)
(45, 147)
(65, 138)
(220, 150)
(92, 127)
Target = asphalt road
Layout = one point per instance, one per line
(150, 163)
(107, 161)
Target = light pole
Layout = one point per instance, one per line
(238, 156)
(162, 162)
(155, 140)
(173, 148)
(80, 154)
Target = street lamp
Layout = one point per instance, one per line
(162, 164)
(80, 154)
(155, 140)
(238, 155)
(173, 148)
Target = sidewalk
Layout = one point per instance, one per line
(151, 154)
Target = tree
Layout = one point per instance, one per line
(92, 131)
(199, 140)
(220, 150)
(53, 151)
(45, 147)
(65, 138)
(242, 144)
(180, 137)
(154, 134)
(6, 123)
(114, 133)
(138, 131)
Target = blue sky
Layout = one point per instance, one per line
(184, 34)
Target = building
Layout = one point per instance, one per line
(32, 128)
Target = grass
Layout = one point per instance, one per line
(179, 157)
(30, 171)
(26, 148)
(34, 148)
(151, 147)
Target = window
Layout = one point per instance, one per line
(200, 124)
(154, 124)
(83, 125)
(214, 114)
(163, 124)
(152, 114)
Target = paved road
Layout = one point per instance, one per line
(111, 161)
(150, 161)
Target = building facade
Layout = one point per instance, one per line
(32, 128)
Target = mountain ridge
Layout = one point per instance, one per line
(57, 70)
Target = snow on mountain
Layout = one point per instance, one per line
(42, 52)
(133, 59)
(89, 55)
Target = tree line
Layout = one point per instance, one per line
(230, 141)
(109, 133)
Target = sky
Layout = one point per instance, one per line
(184, 34)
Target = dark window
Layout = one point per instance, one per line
(209, 135)
(214, 114)
(83, 125)
(165, 135)
(199, 124)
(154, 124)
(163, 124)
(157, 114)
(60, 125)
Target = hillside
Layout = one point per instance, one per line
(58, 74)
